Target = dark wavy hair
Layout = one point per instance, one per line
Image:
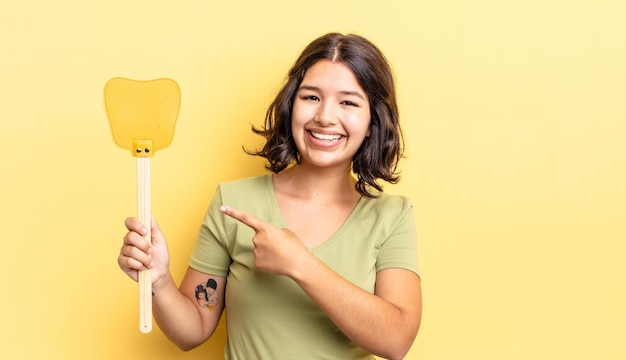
(378, 156)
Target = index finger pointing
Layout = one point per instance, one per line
(243, 217)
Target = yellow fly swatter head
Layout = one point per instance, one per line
(142, 114)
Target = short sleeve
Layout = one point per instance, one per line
(399, 249)
(210, 254)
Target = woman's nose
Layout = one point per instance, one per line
(326, 114)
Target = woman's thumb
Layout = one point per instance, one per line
(157, 235)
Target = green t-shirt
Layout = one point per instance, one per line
(269, 316)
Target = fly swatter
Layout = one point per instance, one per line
(143, 116)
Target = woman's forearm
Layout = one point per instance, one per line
(384, 323)
(178, 317)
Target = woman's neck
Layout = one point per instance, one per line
(328, 185)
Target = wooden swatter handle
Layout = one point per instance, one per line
(144, 216)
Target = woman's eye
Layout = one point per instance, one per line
(309, 97)
(349, 103)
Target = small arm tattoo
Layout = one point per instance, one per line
(206, 294)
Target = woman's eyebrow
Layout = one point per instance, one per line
(352, 93)
(308, 87)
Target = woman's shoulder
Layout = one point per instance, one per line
(388, 205)
(247, 183)
(253, 195)
(393, 200)
(245, 188)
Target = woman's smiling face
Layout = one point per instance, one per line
(330, 116)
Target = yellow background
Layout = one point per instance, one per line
(515, 118)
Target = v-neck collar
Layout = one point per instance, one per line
(269, 186)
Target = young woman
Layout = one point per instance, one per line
(312, 260)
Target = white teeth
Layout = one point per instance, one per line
(325, 137)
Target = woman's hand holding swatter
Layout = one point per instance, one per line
(137, 254)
